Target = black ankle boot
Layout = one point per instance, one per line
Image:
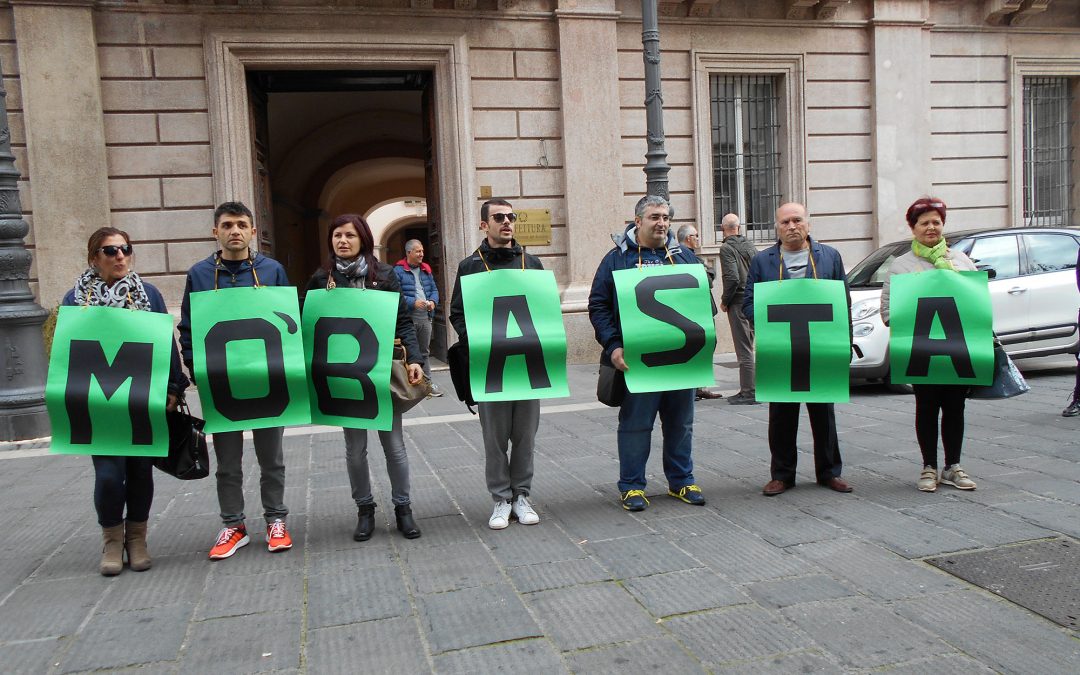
(365, 522)
(405, 522)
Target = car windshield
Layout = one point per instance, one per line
(871, 272)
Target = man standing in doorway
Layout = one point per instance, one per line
(689, 239)
(736, 252)
(421, 297)
(503, 423)
(797, 256)
(235, 265)
(646, 242)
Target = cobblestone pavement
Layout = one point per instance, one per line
(810, 581)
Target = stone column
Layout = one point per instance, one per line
(588, 73)
(65, 136)
(901, 114)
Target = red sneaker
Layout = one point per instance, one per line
(229, 541)
(277, 537)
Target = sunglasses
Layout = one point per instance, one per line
(500, 217)
(112, 251)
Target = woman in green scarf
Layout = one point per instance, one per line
(926, 218)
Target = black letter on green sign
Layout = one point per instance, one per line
(217, 369)
(502, 346)
(134, 361)
(953, 345)
(322, 371)
(645, 292)
(800, 317)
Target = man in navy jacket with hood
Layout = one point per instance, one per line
(796, 256)
(235, 265)
(647, 242)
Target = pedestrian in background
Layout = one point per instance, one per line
(421, 298)
(689, 240)
(735, 255)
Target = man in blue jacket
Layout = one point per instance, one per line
(421, 297)
(646, 242)
(235, 265)
(796, 256)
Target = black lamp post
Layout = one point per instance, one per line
(656, 166)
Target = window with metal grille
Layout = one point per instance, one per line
(1048, 151)
(746, 151)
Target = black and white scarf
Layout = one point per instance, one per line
(91, 289)
(357, 269)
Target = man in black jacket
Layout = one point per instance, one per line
(503, 423)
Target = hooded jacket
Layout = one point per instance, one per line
(408, 284)
(210, 273)
(513, 257)
(603, 309)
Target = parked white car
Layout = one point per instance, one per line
(1032, 289)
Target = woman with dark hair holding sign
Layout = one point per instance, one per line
(926, 218)
(352, 264)
(121, 481)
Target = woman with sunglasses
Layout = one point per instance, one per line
(120, 481)
(351, 264)
(926, 218)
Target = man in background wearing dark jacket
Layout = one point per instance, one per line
(235, 265)
(735, 255)
(421, 297)
(797, 256)
(509, 478)
(647, 242)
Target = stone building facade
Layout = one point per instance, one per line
(143, 114)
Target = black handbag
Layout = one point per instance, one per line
(188, 457)
(1008, 381)
(611, 386)
(404, 394)
(457, 357)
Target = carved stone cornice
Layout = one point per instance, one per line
(702, 7)
(669, 7)
(1030, 9)
(1013, 12)
(800, 9)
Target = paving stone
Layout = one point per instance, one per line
(377, 552)
(684, 591)
(244, 644)
(1044, 486)
(787, 592)
(519, 545)
(654, 655)
(640, 556)
(735, 634)
(589, 616)
(181, 536)
(50, 608)
(186, 580)
(862, 634)
(79, 556)
(386, 646)
(1000, 634)
(495, 614)
(441, 531)
(743, 557)
(37, 656)
(949, 664)
(250, 594)
(702, 522)
(545, 576)
(776, 522)
(538, 657)
(799, 662)
(1052, 515)
(907, 536)
(986, 526)
(448, 568)
(361, 595)
(596, 520)
(892, 576)
(148, 635)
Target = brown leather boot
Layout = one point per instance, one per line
(112, 552)
(135, 541)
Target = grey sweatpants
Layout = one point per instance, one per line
(506, 424)
(229, 450)
(422, 324)
(742, 335)
(397, 464)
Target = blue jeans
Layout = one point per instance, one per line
(120, 481)
(636, 418)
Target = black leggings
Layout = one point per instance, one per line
(948, 401)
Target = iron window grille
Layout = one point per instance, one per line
(1048, 151)
(746, 151)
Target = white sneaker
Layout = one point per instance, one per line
(524, 512)
(500, 516)
(957, 477)
(928, 479)
(436, 390)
